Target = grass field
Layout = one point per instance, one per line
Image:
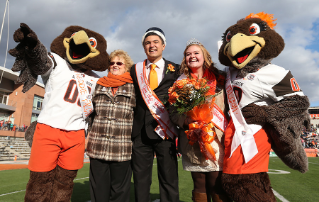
(291, 185)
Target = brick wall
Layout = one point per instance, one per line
(24, 103)
(6, 133)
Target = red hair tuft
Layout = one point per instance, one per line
(268, 18)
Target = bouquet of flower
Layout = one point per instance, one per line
(185, 94)
(195, 98)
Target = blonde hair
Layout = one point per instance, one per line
(122, 54)
(208, 62)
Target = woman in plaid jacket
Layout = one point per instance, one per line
(109, 140)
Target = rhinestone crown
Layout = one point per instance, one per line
(193, 41)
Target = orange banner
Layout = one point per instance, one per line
(311, 152)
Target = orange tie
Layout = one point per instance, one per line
(153, 77)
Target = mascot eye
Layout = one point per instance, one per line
(93, 42)
(254, 29)
(228, 36)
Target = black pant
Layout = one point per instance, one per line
(110, 180)
(142, 164)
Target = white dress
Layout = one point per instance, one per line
(192, 158)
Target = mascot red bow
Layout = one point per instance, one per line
(59, 138)
(267, 108)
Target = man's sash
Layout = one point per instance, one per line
(156, 107)
(244, 133)
(219, 119)
(85, 96)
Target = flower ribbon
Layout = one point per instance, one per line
(203, 138)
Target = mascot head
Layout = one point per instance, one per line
(249, 40)
(82, 48)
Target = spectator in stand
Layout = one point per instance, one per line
(1, 124)
(303, 142)
(5, 125)
(11, 126)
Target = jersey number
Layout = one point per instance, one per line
(294, 84)
(72, 93)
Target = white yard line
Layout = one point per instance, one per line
(280, 197)
(81, 178)
(273, 171)
(12, 192)
(314, 163)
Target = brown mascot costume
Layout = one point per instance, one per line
(59, 137)
(267, 108)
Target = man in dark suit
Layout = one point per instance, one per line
(153, 133)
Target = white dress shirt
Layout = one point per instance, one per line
(159, 69)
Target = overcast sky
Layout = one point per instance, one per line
(123, 22)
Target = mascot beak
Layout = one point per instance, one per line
(242, 48)
(78, 48)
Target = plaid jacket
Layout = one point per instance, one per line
(109, 136)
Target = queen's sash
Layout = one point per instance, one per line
(244, 133)
(219, 119)
(165, 127)
(85, 96)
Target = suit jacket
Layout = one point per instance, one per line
(142, 115)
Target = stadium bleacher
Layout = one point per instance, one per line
(14, 149)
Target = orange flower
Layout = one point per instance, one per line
(197, 85)
(170, 68)
(173, 97)
(180, 84)
(192, 81)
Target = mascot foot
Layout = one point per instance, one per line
(63, 185)
(248, 187)
(39, 186)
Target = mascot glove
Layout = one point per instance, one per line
(31, 56)
(28, 42)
